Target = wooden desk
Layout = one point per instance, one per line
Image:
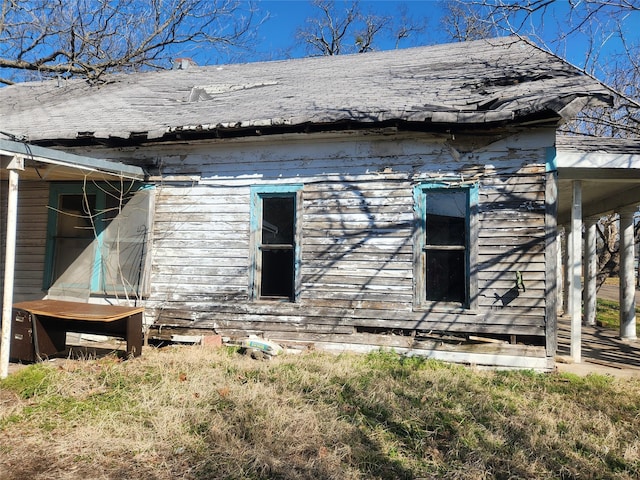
(43, 325)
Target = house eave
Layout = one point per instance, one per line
(191, 133)
(68, 164)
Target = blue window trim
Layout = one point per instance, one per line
(419, 197)
(258, 192)
(551, 159)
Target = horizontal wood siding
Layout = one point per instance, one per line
(201, 245)
(357, 233)
(511, 242)
(31, 237)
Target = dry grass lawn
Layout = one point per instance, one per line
(200, 413)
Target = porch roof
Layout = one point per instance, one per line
(49, 164)
(609, 169)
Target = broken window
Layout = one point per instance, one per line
(125, 245)
(443, 270)
(275, 252)
(97, 239)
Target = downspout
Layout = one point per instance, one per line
(15, 165)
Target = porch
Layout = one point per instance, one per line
(22, 161)
(603, 352)
(596, 177)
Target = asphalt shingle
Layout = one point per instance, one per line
(498, 80)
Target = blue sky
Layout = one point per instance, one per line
(286, 16)
(277, 34)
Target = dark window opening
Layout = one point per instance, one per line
(445, 276)
(445, 248)
(277, 279)
(277, 273)
(443, 231)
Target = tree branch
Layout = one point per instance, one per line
(92, 37)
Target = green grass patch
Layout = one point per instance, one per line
(28, 382)
(608, 314)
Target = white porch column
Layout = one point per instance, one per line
(574, 246)
(14, 165)
(566, 263)
(560, 268)
(627, 277)
(589, 291)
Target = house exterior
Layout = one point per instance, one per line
(403, 199)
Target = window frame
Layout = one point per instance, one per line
(97, 283)
(471, 247)
(258, 193)
(56, 190)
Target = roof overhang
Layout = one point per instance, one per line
(610, 180)
(41, 163)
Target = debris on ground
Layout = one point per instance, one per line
(259, 348)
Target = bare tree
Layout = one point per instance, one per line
(603, 27)
(90, 37)
(608, 248)
(611, 54)
(463, 22)
(406, 27)
(324, 35)
(334, 31)
(597, 23)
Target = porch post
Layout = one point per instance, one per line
(15, 164)
(575, 267)
(563, 264)
(627, 276)
(590, 271)
(566, 261)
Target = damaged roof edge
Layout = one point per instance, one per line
(49, 155)
(431, 122)
(238, 131)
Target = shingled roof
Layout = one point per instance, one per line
(498, 81)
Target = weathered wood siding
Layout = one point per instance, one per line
(31, 237)
(357, 233)
(357, 272)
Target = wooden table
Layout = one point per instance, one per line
(39, 327)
